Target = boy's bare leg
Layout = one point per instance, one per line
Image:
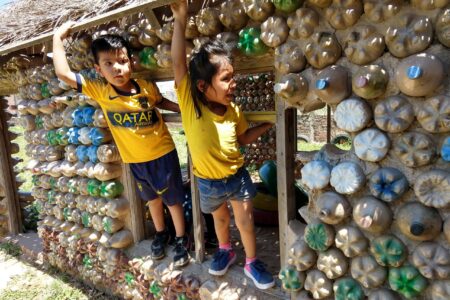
(157, 213)
(221, 218)
(177, 213)
(243, 216)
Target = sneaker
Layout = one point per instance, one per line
(181, 257)
(222, 260)
(159, 244)
(256, 271)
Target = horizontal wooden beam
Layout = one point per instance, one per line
(8, 91)
(242, 65)
(88, 23)
(171, 118)
(260, 116)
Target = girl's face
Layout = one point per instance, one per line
(222, 85)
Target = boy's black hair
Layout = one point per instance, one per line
(201, 68)
(109, 42)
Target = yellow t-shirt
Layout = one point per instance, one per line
(212, 139)
(138, 131)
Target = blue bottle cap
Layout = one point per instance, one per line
(414, 72)
(321, 84)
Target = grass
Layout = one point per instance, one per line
(43, 282)
(35, 285)
(305, 146)
(11, 249)
(180, 142)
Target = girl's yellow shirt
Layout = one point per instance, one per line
(212, 139)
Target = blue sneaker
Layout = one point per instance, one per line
(222, 260)
(256, 271)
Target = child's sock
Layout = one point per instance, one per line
(226, 246)
(248, 261)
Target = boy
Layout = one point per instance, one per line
(138, 130)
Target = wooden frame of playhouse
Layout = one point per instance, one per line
(285, 135)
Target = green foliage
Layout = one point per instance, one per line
(50, 285)
(30, 216)
(11, 248)
(305, 146)
(177, 133)
(344, 145)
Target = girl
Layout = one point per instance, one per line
(214, 127)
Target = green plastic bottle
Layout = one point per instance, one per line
(111, 189)
(287, 6)
(93, 187)
(62, 136)
(52, 138)
(249, 42)
(44, 90)
(147, 58)
(73, 186)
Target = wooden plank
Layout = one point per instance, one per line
(6, 173)
(286, 143)
(152, 19)
(242, 65)
(88, 23)
(328, 123)
(260, 116)
(136, 216)
(199, 237)
(25, 197)
(8, 91)
(171, 118)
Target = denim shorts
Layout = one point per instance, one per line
(160, 177)
(214, 192)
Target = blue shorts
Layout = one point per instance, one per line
(160, 178)
(214, 192)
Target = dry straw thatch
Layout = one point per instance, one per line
(25, 19)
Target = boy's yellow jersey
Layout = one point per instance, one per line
(212, 139)
(135, 123)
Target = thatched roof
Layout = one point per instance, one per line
(24, 19)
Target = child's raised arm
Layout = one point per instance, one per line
(178, 49)
(62, 68)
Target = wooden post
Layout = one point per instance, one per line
(197, 217)
(328, 124)
(136, 207)
(286, 146)
(11, 195)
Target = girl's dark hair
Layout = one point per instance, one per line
(109, 42)
(201, 68)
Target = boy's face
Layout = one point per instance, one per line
(222, 85)
(115, 67)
